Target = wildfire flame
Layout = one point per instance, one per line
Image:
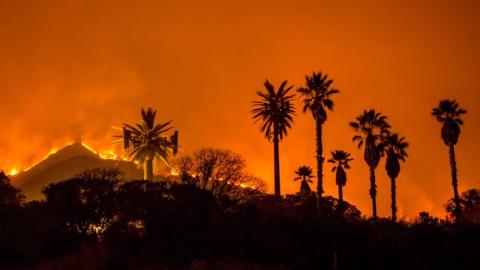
(101, 153)
(13, 171)
(173, 172)
(110, 154)
(89, 147)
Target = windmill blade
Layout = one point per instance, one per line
(116, 128)
(126, 138)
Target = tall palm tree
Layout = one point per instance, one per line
(341, 161)
(371, 127)
(304, 173)
(396, 151)
(449, 113)
(275, 111)
(144, 142)
(316, 99)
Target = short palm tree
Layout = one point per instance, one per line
(341, 161)
(275, 111)
(396, 151)
(317, 99)
(144, 142)
(304, 173)
(448, 113)
(371, 127)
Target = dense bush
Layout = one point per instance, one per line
(94, 221)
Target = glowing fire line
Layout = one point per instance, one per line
(103, 154)
(13, 171)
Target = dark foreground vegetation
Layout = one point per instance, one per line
(96, 221)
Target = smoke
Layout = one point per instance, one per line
(72, 71)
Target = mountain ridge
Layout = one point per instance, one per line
(65, 163)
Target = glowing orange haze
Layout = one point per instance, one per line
(71, 71)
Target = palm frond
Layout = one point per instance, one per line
(316, 95)
(274, 109)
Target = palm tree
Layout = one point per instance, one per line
(316, 99)
(144, 142)
(275, 111)
(396, 150)
(371, 127)
(304, 173)
(448, 113)
(341, 161)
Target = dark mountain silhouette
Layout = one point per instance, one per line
(67, 162)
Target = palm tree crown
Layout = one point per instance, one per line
(448, 113)
(316, 95)
(371, 127)
(341, 160)
(396, 151)
(304, 173)
(274, 109)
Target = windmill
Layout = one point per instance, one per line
(172, 141)
(146, 142)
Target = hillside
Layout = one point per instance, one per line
(70, 160)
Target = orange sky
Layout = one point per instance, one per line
(70, 71)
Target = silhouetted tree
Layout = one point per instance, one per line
(161, 225)
(371, 127)
(220, 171)
(145, 142)
(449, 113)
(135, 199)
(396, 151)
(316, 99)
(424, 218)
(85, 203)
(275, 111)
(8, 193)
(469, 203)
(332, 207)
(341, 161)
(304, 173)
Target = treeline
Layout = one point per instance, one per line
(274, 110)
(95, 220)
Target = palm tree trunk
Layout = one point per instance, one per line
(148, 170)
(319, 156)
(373, 192)
(340, 200)
(319, 159)
(394, 198)
(302, 185)
(453, 167)
(276, 162)
(340, 194)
